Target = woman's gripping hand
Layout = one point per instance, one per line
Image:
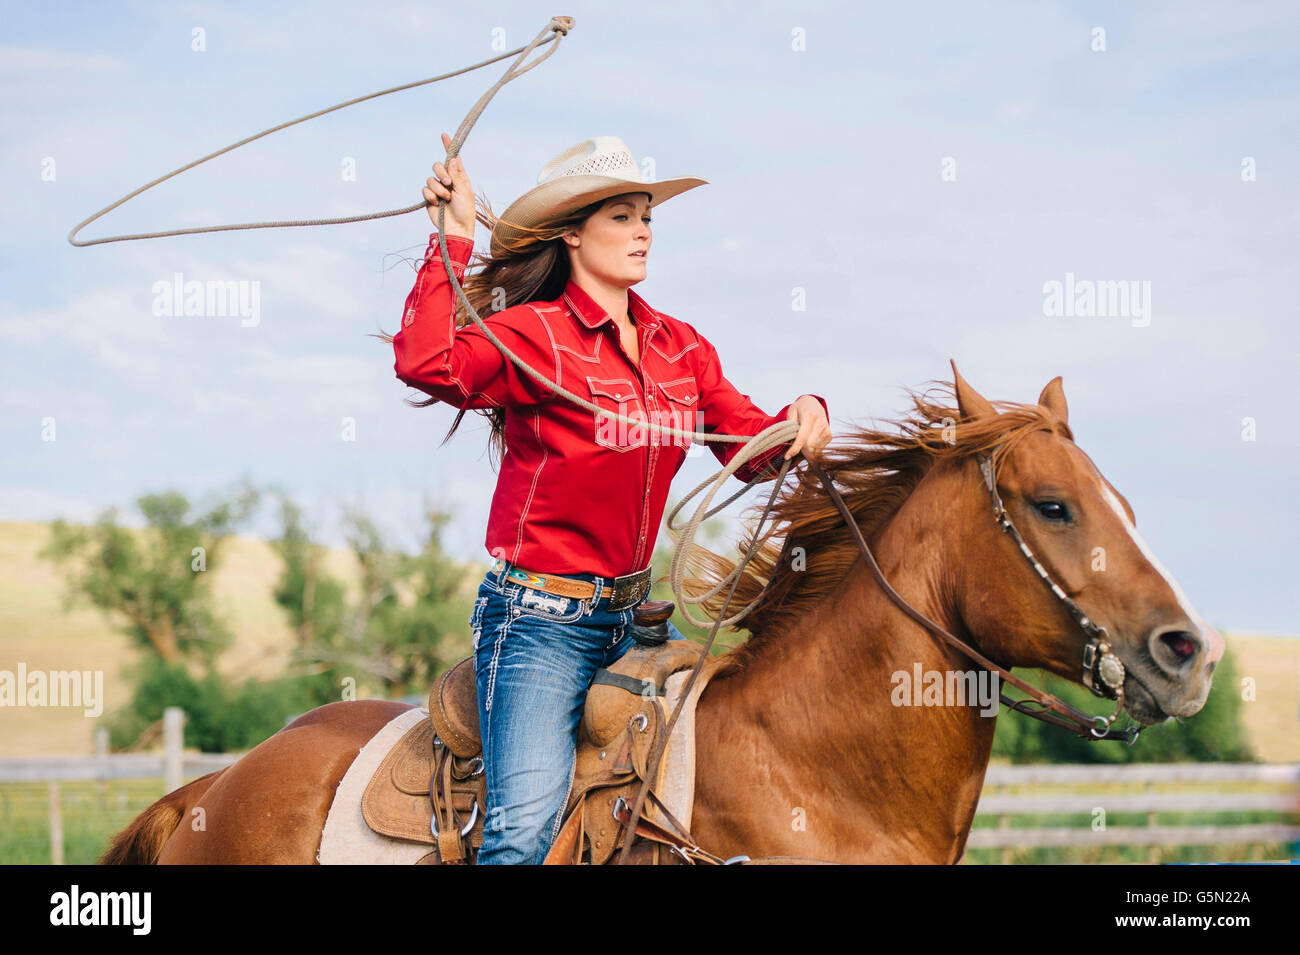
(452, 186)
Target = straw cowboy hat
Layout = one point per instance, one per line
(593, 170)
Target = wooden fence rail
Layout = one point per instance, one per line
(1095, 793)
(35, 769)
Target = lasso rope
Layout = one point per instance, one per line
(72, 236)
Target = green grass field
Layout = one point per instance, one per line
(92, 814)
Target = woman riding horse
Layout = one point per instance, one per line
(579, 499)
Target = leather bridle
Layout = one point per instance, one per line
(1103, 672)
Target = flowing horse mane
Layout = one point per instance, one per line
(875, 472)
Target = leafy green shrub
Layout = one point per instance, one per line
(220, 717)
(1215, 734)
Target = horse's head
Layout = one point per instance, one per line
(1083, 533)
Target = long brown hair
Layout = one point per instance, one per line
(533, 266)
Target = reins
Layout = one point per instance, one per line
(1099, 663)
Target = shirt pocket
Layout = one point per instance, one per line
(619, 396)
(682, 402)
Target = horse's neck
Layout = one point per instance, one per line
(816, 709)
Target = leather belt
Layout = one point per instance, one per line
(623, 592)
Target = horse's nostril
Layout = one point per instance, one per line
(1182, 643)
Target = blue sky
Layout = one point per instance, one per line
(825, 167)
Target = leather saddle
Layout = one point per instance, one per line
(430, 788)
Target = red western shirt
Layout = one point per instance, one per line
(577, 492)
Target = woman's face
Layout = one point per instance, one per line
(613, 244)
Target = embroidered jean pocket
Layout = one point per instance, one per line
(476, 619)
(537, 603)
(619, 396)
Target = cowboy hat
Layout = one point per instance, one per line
(593, 170)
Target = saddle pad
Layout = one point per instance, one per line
(396, 801)
(675, 784)
(346, 839)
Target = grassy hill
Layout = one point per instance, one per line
(34, 629)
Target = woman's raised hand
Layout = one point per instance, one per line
(453, 186)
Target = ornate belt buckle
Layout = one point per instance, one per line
(629, 587)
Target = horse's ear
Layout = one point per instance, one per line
(971, 403)
(1053, 399)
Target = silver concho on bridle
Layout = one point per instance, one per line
(1099, 660)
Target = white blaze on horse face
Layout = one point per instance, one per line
(1214, 639)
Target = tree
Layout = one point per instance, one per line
(408, 622)
(314, 603)
(154, 582)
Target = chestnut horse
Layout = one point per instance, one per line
(802, 747)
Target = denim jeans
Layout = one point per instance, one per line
(534, 658)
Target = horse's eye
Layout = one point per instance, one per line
(1053, 510)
